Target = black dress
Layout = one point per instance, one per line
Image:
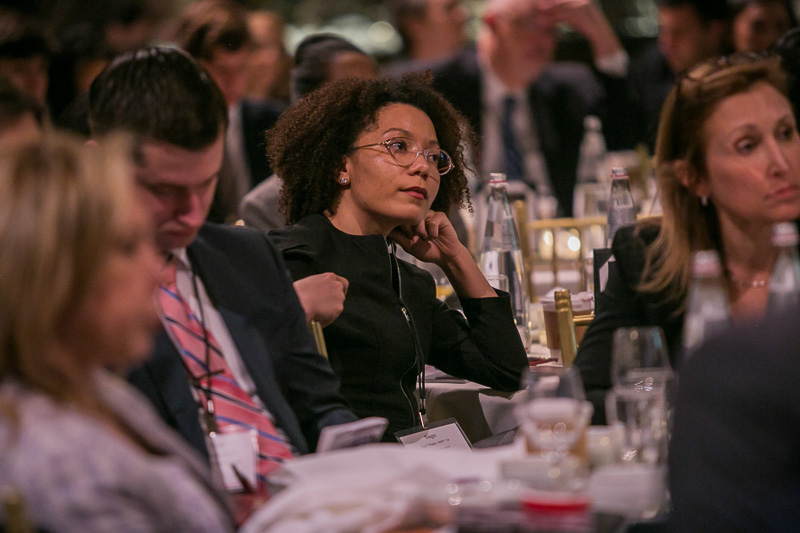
(371, 345)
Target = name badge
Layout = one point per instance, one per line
(438, 435)
(237, 453)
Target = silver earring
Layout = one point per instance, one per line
(343, 180)
(704, 201)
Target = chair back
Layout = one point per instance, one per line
(568, 338)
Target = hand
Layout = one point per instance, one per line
(322, 296)
(586, 18)
(433, 240)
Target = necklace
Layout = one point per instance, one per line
(755, 284)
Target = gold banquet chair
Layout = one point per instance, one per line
(570, 327)
(557, 247)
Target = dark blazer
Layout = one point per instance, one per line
(735, 447)
(559, 99)
(651, 80)
(372, 345)
(258, 117)
(248, 283)
(620, 305)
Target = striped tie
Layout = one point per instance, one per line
(234, 409)
(512, 154)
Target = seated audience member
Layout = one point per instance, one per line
(757, 24)
(215, 32)
(368, 165)
(21, 117)
(728, 167)
(85, 450)
(431, 30)
(319, 58)
(25, 52)
(689, 31)
(269, 63)
(733, 459)
(529, 110)
(251, 341)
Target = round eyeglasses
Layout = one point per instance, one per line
(406, 151)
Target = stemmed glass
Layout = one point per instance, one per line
(643, 382)
(554, 417)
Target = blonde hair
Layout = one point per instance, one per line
(62, 206)
(687, 225)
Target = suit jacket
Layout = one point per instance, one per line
(258, 117)
(559, 99)
(76, 474)
(651, 81)
(247, 282)
(734, 459)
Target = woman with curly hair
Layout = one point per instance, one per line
(368, 165)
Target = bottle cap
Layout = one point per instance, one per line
(784, 234)
(705, 264)
(591, 122)
(497, 177)
(618, 173)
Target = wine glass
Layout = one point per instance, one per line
(640, 400)
(553, 419)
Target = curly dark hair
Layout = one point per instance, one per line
(308, 145)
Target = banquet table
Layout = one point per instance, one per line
(480, 411)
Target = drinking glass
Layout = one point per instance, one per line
(554, 417)
(640, 400)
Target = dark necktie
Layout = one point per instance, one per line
(512, 154)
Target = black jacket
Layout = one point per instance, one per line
(371, 345)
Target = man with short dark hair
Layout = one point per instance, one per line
(215, 33)
(242, 319)
(431, 29)
(689, 31)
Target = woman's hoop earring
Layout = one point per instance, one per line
(704, 201)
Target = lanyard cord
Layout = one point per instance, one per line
(209, 413)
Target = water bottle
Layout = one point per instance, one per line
(707, 310)
(621, 209)
(592, 155)
(784, 283)
(501, 255)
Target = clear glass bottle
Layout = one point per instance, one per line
(592, 155)
(784, 283)
(621, 209)
(707, 309)
(501, 254)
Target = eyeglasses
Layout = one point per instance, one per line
(405, 152)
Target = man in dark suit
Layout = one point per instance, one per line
(528, 111)
(689, 31)
(735, 447)
(232, 278)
